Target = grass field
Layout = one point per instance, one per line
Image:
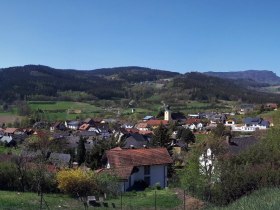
(59, 110)
(264, 199)
(31, 201)
(165, 199)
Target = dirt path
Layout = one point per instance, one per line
(190, 202)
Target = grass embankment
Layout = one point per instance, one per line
(165, 199)
(267, 199)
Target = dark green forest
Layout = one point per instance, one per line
(37, 82)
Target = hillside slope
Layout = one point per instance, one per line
(37, 82)
(260, 76)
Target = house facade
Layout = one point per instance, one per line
(138, 168)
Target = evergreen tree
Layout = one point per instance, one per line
(81, 151)
(186, 135)
(161, 136)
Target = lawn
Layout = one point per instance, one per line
(31, 201)
(165, 199)
(267, 199)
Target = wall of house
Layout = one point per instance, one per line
(158, 174)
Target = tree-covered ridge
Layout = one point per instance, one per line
(37, 82)
(19, 82)
(204, 87)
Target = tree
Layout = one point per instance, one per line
(81, 151)
(94, 158)
(161, 136)
(186, 135)
(77, 181)
(219, 130)
(85, 182)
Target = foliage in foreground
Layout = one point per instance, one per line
(84, 182)
(231, 177)
(262, 199)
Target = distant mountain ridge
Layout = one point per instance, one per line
(38, 82)
(260, 76)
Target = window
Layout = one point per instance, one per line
(146, 170)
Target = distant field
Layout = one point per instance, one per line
(264, 199)
(8, 118)
(60, 110)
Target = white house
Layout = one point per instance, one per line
(138, 167)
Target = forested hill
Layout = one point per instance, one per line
(261, 76)
(36, 82)
(30, 80)
(204, 87)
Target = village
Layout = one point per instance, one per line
(139, 154)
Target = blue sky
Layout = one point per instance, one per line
(176, 35)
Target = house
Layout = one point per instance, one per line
(230, 122)
(135, 140)
(10, 131)
(89, 121)
(138, 168)
(146, 118)
(84, 127)
(155, 123)
(57, 126)
(142, 126)
(8, 140)
(256, 122)
(271, 106)
(60, 159)
(246, 108)
(73, 125)
(179, 117)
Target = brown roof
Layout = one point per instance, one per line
(84, 127)
(157, 122)
(132, 130)
(122, 172)
(142, 125)
(138, 157)
(146, 132)
(10, 130)
(192, 120)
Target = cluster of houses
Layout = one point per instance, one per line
(134, 162)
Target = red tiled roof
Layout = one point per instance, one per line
(121, 172)
(146, 132)
(138, 157)
(10, 130)
(192, 120)
(84, 127)
(157, 122)
(132, 130)
(141, 125)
